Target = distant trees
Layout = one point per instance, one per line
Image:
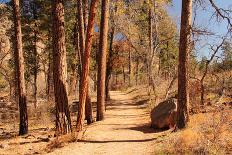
(227, 55)
(183, 67)
(19, 63)
(102, 60)
(63, 120)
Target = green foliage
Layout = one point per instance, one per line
(226, 58)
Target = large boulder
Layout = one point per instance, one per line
(164, 114)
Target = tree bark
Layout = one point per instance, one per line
(63, 120)
(151, 51)
(183, 72)
(85, 13)
(129, 66)
(137, 71)
(88, 108)
(102, 60)
(49, 77)
(19, 62)
(86, 62)
(124, 74)
(109, 66)
(81, 29)
(35, 67)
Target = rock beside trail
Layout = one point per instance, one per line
(164, 114)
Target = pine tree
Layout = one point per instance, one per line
(183, 72)
(19, 62)
(102, 60)
(63, 120)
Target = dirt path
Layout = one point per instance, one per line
(125, 131)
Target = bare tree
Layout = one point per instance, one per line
(63, 120)
(102, 60)
(183, 72)
(215, 51)
(19, 62)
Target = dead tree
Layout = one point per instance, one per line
(215, 51)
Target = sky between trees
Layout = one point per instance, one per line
(204, 19)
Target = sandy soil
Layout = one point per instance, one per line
(125, 131)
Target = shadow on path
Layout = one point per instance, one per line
(117, 141)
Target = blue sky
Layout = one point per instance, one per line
(204, 20)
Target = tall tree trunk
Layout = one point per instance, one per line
(49, 77)
(35, 53)
(81, 29)
(183, 72)
(19, 62)
(85, 69)
(35, 68)
(151, 50)
(35, 89)
(85, 13)
(63, 120)
(102, 60)
(109, 65)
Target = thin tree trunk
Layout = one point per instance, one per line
(63, 120)
(109, 65)
(35, 69)
(85, 14)
(129, 66)
(116, 78)
(137, 71)
(150, 73)
(107, 89)
(19, 62)
(35, 54)
(206, 69)
(35, 89)
(183, 72)
(88, 108)
(49, 77)
(102, 60)
(81, 28)
(124, 74)
(170, 87)
(86, 62)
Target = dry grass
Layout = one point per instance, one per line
(206, 134)
(60, 141)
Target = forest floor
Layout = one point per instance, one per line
(126, 130)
